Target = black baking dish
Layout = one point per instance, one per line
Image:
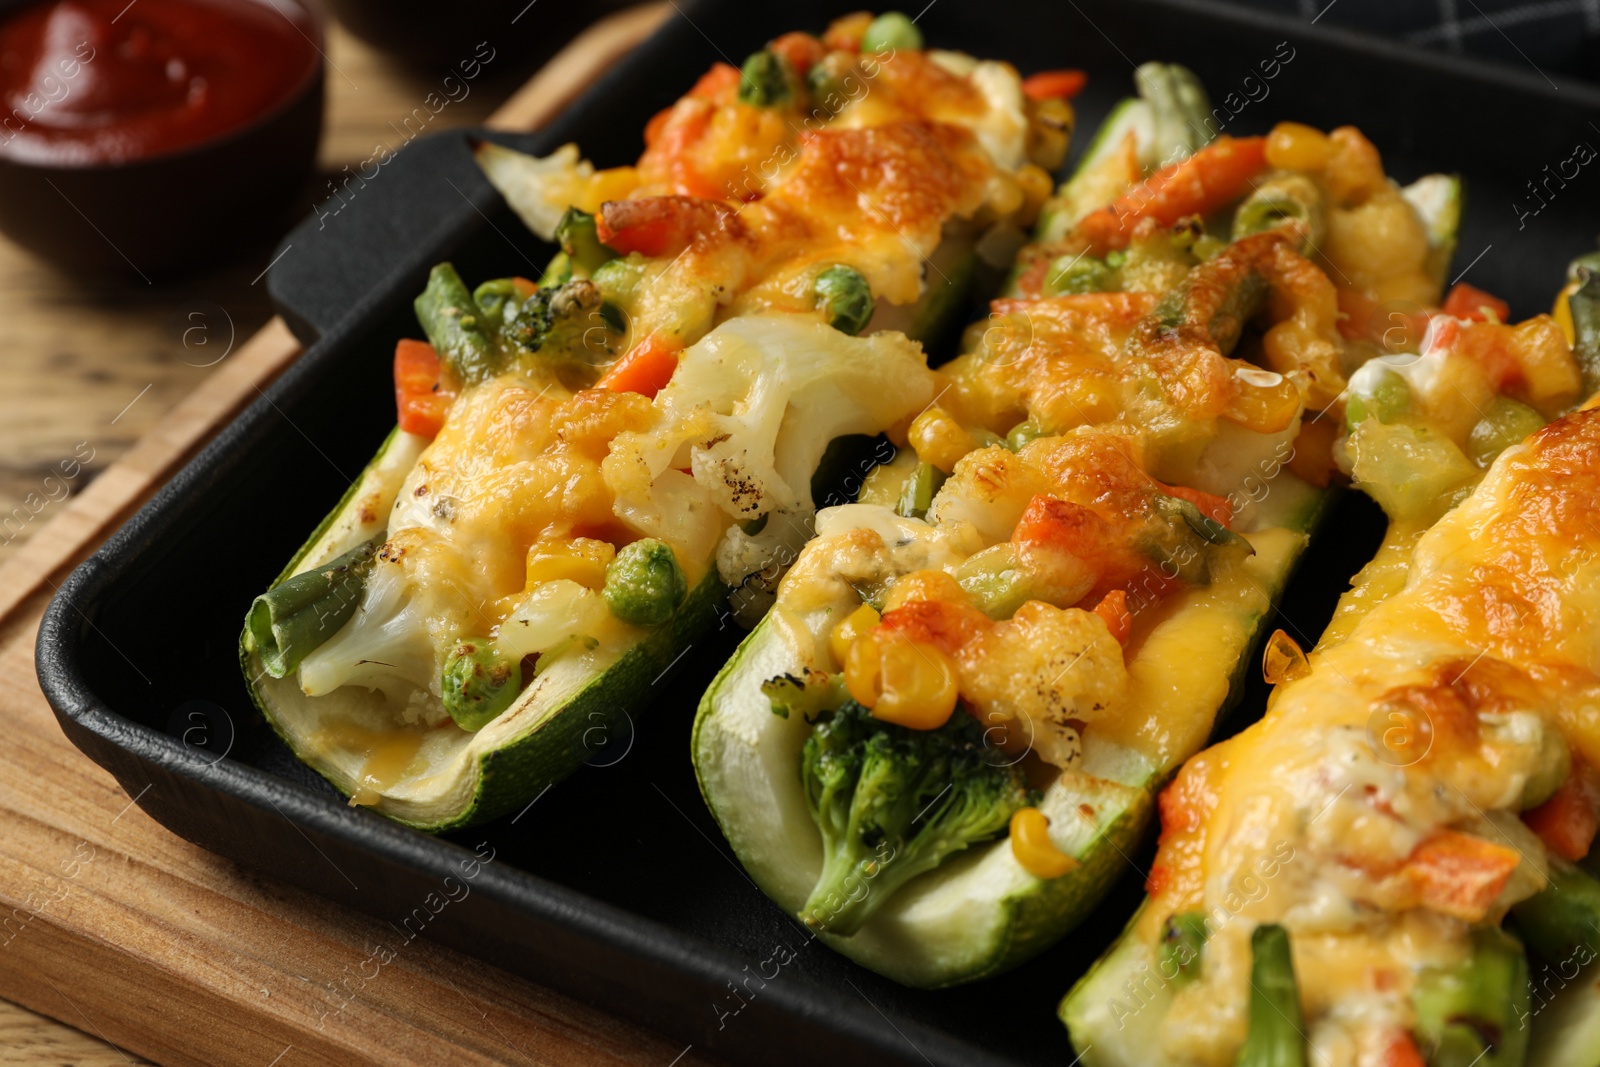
(615, 886)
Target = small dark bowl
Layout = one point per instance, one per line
(174, 210)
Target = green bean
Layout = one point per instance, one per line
(580, 240)
(1562, 917)
(1279, 200)
(916, 496)
(1585, 307)
(1183, 943)
(457, 328)
(1475, 1013)
(1277, 1029)
(292, 619)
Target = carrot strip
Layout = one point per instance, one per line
(1459, 874)
(644, 368)
(1113, 609)
(1054, 84)
(1216, 174)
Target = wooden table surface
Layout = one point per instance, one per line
(88, 366)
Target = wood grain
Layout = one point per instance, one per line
(145, 944)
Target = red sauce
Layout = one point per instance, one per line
(102, 81)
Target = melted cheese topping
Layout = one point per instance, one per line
(1425, 721)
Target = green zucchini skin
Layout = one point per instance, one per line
(1020, 924)
(512, 774)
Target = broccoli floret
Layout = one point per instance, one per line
(892, 802)
(564, 322)
(644, 584)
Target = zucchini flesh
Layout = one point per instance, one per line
(981, 912)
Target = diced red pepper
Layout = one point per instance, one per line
(656, 225)
(1567, 822)
(935, 622)
(420, 398)
(1469, 302)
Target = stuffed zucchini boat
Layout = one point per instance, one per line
(585, 462)
(937, 747)
(1331, 883)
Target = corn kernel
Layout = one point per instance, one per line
(1036, 186)
(918, 684)
(1562, 313)
(613, 184)
(582, 560)
(924, 585)
(854, 625)
(939, 439)
(1294, 146)
(861, 669)
(1283, 660)
(905, 682)
(1263, 400)
(1031, 845)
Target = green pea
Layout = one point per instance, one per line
(1508, 422)
(891, 32)
(1021, 434)
(845, 298)
(764, 80)
(1386, 399)
(1079, 274)
(645, 584)
(478, 682)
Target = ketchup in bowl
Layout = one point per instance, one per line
(149, 136)
(105, 81)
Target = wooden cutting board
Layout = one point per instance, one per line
(120, 929)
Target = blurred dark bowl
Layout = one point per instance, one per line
(177, 210)
(426, 33)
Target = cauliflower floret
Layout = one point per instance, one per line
(386, 645)
(989, 489)
(1044, 672)
(750, 411)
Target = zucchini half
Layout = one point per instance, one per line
(539, 740)
(981, 913)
